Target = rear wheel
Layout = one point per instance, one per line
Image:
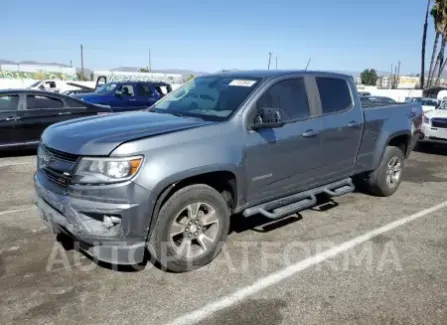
(385, 180)
(191, 228)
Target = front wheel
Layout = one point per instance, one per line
(385, 180)
(191, 228)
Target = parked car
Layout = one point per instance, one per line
(24, 114)
(72, 92)
(125, 96)
(434, 127)
(382, 99)
(247, 143)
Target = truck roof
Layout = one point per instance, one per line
(266, 74)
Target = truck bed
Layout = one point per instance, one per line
(380, 123)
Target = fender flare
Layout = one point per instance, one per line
(168, 185)
(378, 158)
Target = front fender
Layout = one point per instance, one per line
(184, 174)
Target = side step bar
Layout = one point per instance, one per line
(297, 202)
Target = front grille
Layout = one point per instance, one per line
(64, 156)
(57, 165)
(439, 122)
(56, 177)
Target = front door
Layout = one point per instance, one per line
(342, 128)
(39, 112)
(125, 97)
(8, 115)
(283, 160)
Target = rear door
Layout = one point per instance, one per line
(145, 94)
(39, 112)
(9, 104)
(342, 127)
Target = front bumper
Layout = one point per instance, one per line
(433, 135)
(79, 211)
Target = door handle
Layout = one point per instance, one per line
(310, 133)
(132, 100)
(9, 118)
(352, 124)
(64, 113)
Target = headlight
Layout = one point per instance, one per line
(426, 120)
(106, 170)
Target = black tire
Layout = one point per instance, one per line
(159, 244)
(377, 181)
(424, 146)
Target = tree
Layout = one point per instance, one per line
(81, 76)
(369, 77)
(191, 76)
(438, 12)
(424, 39)
(144, 70)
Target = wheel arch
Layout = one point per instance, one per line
(223, 178)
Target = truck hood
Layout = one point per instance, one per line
(436, 113)
(99, 135)
(89, 97)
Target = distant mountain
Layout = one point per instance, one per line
(184, 72)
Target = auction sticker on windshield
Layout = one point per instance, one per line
(242, 83)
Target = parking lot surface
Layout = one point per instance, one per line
(396, 277)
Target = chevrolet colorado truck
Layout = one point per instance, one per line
(167, 179)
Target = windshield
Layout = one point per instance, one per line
(106, 88)
(35, 84)
(428, 102)
(210, 97)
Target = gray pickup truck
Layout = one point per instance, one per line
(166, 180)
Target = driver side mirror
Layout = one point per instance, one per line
(268, 118)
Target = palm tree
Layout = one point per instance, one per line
(440, 62)
(424, 39)
(436, 13)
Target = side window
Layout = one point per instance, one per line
(127, 91)
(9, 102)
(335, 94)
(39, 102)
(144, 90)
(289, 96)
(73, 103)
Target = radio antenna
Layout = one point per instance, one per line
(308, 62)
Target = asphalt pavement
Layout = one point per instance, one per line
(267, 274)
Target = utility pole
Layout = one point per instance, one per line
(150, 65)
(270, 58)
(395, 77)
(424, 38)
(391, 82)
(82, 62)
(276, 63)
(398, 73)
(71, 64)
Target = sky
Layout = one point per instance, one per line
(209, 35)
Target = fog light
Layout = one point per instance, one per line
(111, 221)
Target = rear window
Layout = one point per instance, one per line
(39, 102)
(9, 102)
(335, 94)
